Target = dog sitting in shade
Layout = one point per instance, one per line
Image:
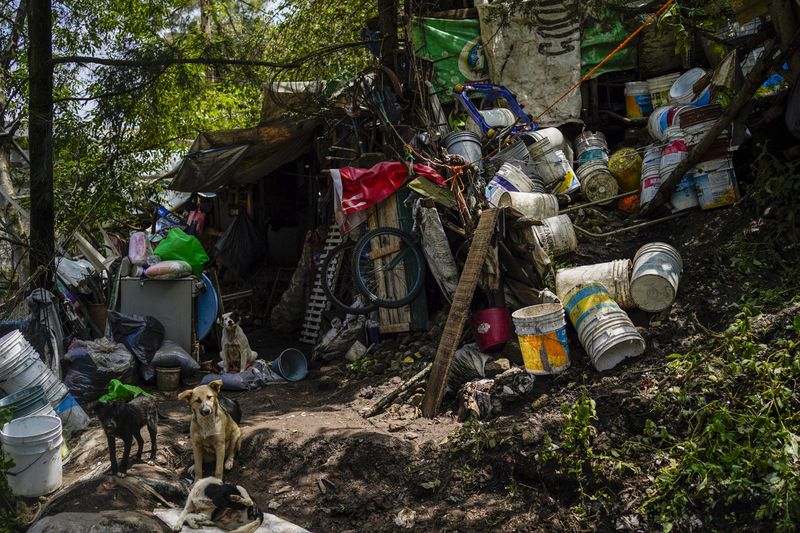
(236, 353)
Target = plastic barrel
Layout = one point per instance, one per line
(542, 335)
(656, 274)
(604, 329)
(34, 443)
(291, 364)
(613, 275)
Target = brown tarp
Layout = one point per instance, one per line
(241, 156)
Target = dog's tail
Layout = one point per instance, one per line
(160, 415)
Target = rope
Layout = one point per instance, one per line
(606, 59)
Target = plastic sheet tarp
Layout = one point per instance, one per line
(241, 247)
(599, 38)
(241, 156)
(86, 380)
(142, 335)
(536, 56)
(437, 249)
(255, 377)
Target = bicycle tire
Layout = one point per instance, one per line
(333, 274)
(368, 275)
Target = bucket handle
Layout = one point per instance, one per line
(545, 360)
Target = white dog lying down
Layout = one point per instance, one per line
(224, 505)
(235, 350)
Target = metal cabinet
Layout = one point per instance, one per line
(169, 301)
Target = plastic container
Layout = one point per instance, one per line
(466, 144)
(659, 88)
(21, 367)
(73, 417)
(139, 248)
(673, 152)
(542, 335)
(207, 308)
(491, 328)
(682, 91)
(590, 146)
(291, 364)
(556, 235)
(530, 204)
(626, 166)
(637, 99)
(715, 183)
(497, 118)
(27, 402)
(615, 276)
(683, 196)
(656, 274)
(509, 178)
(696, 121)
(34, 444)
(168, 379)
(517, 154)
(604, 329)
(597, 183)
(552, 167)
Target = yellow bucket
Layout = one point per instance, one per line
(586, 299)
(542, 334)
(626, 166)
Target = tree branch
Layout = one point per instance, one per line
(167, 61)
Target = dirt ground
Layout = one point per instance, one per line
(310, 457)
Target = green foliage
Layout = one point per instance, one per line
(475, 437)
(8, 502)
(359, 368)
(777, 187)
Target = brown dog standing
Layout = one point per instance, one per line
(214, 434)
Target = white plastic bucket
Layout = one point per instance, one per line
(659, 88)
(604, 329)
(552, 166)
(556, 235)
(684, 196)
(20, 368)
(517, 154)
(542, 334)
(34, 443)
(715, 183)
(597, 182)
(682, 91)
(696, 121)
(509, 178)
(530, 204)
(615, 276)
(497, 118)
(657, 123)
(656, 273)
(637, 99)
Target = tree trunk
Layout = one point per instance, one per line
(40, 136)
(205, 28)
(387, 24)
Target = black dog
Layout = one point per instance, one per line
(232, 407)
(214, 503)
(125, 420)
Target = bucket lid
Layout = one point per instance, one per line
(30, 428)
(538, 311)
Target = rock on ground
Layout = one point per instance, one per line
(102, 522)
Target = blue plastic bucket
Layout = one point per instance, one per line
(291, 364)
(28, 401)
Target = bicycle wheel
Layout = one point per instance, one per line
(337, 281)
(389, 267)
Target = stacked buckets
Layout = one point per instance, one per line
(542, 334)
(21, 367)
(604, 329)
(615, 276)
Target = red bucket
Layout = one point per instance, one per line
(491, 328)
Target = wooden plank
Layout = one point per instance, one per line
(383, 251)
(400, 327)
(434, 390)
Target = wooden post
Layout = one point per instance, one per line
(40, 135)
(434, 390)
(759, 74)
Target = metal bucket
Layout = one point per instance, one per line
(516, 153)
(604, 329)
(656, 273)
(168, 378)
(542, 334)
(530, 204)
(466, 144)
(615, 276)
(556, 235)
(597, 183)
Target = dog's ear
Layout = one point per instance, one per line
(185, 395)
(235, 316)
(216, 385)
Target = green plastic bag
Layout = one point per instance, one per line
(118, 390)
(181, 247)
